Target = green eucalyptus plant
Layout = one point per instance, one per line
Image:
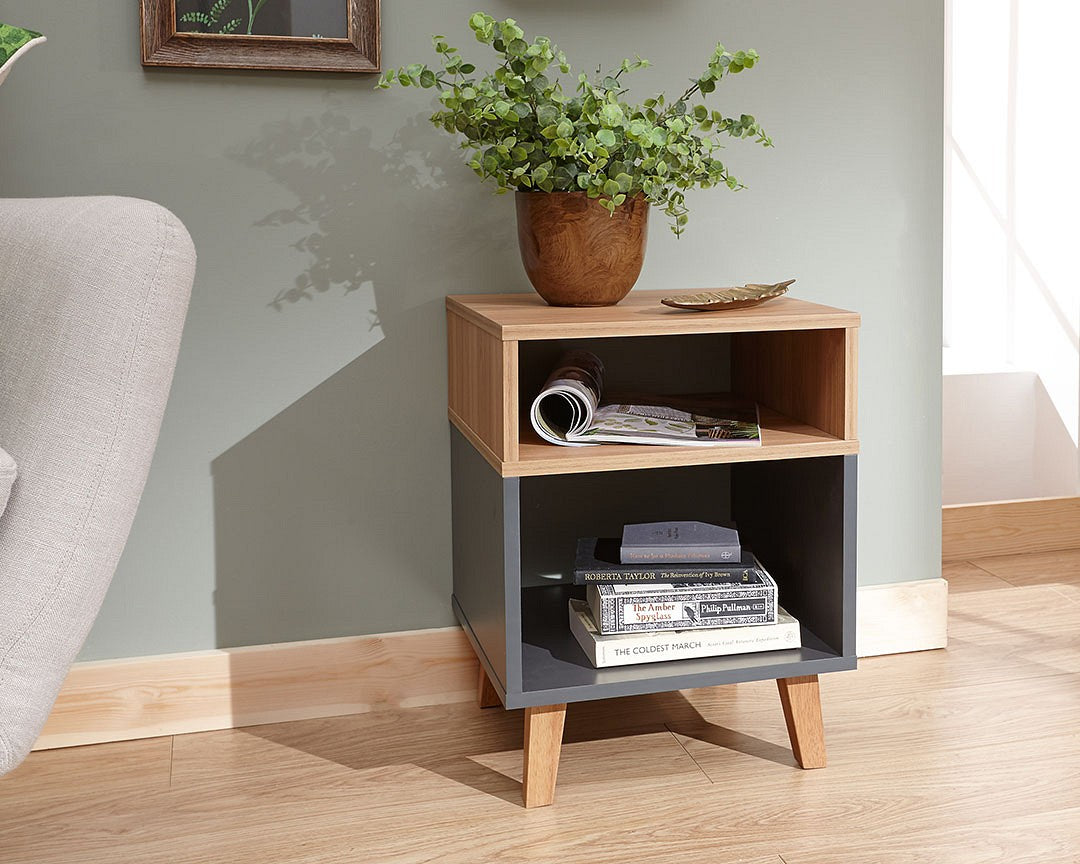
(525, 131)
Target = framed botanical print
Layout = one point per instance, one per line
(302, 35)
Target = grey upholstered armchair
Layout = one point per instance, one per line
(93, 294)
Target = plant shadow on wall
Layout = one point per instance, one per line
(354, 197)
(333, 517)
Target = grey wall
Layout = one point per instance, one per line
(301, 486)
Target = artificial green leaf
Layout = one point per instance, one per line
(606, 137)
(611, 114)
(526, 130)
(547, 114)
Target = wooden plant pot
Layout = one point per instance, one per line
(577, 254)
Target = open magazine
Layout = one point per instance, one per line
(569, 411)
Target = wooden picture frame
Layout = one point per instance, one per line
(163, 45)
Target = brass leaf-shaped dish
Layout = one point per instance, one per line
(728, 298)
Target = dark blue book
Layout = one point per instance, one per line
(597, 563)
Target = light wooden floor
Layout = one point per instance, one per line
(966, 755)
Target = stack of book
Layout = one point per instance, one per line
(674, 591)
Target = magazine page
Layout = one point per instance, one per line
(571, 411)
(678, 421)
(567, 403)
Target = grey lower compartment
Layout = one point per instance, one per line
(514, 542)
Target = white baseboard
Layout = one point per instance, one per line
(901, 617)
(170, 694)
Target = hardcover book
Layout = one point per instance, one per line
(624, 649)
(598, 561)
(673, 606)
(673, 542)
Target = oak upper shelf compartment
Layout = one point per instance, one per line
(797, 359)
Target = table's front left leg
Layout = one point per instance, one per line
(801, 700)
(543, 744)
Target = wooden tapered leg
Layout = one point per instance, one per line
(802, 712)
(486, 694)
(543, 742)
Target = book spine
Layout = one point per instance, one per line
(629, 613)
(592, 596)
(678, 554)
(657, 647)
(722, 575)
(584, 637)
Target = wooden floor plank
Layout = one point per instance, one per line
(934, 724)
(116, 768)
(1069, 592)
(1036, 568)
(968, 755)
(964, 576)
(994, 839)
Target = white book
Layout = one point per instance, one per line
(624, 649)
(642, 607)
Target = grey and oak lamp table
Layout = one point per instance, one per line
(519, 504)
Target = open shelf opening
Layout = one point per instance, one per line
(798, 379)
(792, 514)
